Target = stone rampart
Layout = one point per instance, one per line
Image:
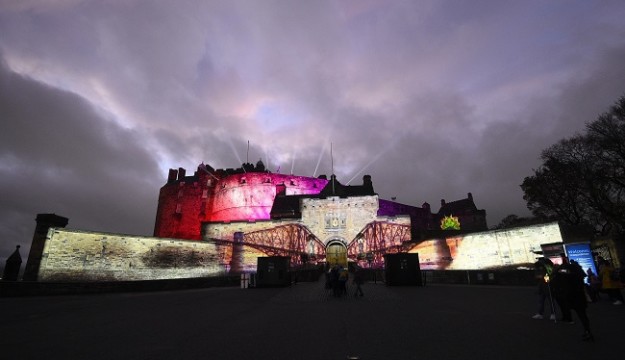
(73, 255)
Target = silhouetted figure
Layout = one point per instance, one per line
(334, 278)
(542, 273)
(567, 283)
(358, 281)
(343, 278)
(594, 285)
(610, 282)
(328, 275)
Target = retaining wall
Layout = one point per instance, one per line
(72, 255)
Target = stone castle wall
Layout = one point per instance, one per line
(225, 231)
(489, 249)
(72, 255)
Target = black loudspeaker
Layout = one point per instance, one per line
(273, 271)
(402, 269)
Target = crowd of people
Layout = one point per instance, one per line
(337, 278)
(562, 286)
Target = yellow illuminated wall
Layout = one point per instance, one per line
(487, 250)
(73, 255)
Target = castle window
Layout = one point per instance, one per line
(178, 208)
(180, 194)
(204, 194)
(243, 181)
(209, 182)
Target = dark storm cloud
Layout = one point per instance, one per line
(510, 151)
(59, 154)
(434, 99)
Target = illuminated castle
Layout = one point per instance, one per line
(252, 193)
(217, 222)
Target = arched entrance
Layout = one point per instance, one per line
(336, 253)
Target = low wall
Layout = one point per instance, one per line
(72, 255)
(480, 277)
(38, 288)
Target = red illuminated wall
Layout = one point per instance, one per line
(222, 195)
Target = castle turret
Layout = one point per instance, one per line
(12, 266)
(367, 183)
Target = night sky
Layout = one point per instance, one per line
(433, 99)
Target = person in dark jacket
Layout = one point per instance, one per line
(542, 272)
(567, 283)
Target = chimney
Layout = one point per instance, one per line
(181, 173)
(470, 196)
(367, 183)
(442, 202)
(173, 174)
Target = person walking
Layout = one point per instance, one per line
(567, 282)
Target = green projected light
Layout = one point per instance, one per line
(450, 223)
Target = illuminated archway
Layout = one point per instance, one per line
(336, 252)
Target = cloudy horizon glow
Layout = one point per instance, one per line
(433, 99)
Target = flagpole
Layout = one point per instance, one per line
(333, 176)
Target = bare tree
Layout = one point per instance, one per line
(582, 179)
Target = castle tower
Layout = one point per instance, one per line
(44, 222)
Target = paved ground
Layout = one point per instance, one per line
(302, 322)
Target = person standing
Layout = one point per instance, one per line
(334, 278)
(568, 287)
(542, 273)
(594, 285)
(610, 282)
(343, 278)
(358, 281)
